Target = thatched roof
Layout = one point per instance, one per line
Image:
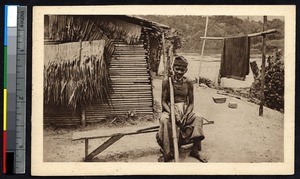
(144, 22)
(72, 28)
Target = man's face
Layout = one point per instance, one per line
(179, 71)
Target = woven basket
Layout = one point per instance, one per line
(219, 99)
(232, 105)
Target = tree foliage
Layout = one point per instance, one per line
(274, 83)
(193, 27)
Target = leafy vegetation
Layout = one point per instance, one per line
(192, 28)
(274, 83)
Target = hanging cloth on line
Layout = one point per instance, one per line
(235, 57)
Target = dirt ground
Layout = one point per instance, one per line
(237, 135)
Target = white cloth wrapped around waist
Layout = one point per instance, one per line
(186, 130)
(179, 109)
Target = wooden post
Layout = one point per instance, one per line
(80, 49)
(263, 64)
(202, 51)
(171, 54)
(83, 120)
(86, 147)
(164, 52)
(82, 110)
(104, 146)
(170, 61)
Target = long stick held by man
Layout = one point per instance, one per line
(173, 122)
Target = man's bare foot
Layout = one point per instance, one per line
(161, 159)
(198, 155)
(165, 159)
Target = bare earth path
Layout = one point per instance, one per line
(238, 135)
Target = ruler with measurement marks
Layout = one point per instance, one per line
(14, 125)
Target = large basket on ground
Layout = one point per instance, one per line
(219, 99)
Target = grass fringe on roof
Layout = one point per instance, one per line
(77, 82)
(71, 28)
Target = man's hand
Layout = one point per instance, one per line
(184, 119)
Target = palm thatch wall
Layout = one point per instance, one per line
(73, 78)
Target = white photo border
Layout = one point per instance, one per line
(41, 168)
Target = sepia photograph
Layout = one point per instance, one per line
(170, 90)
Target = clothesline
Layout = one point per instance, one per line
(250, 35)
(263, 33)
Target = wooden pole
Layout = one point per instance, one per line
(202, 51)
(171, 54)
(264, 32)
(82, 110)
(263, 64)
(173, 121)
(250, 35)
(170, 58)
(83, 119)
(104, 146)
(86, 147)
(164, 53)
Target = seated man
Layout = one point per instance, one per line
(188, 123)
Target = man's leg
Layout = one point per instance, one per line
(165, 136)
(198, 136)
(197, 144)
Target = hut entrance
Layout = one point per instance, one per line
(130, 89)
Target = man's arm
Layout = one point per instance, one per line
(165, 95)
(190, 97)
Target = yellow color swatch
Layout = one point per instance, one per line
(4, 108)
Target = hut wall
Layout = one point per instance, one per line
(61, 117)
(154, 55)
(129, 68)
(130, 82)
(61, 52)
(68, 52)
(131, 89)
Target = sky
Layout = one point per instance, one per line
(260, 18)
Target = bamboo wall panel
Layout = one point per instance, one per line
(61, 117)
(130, 84)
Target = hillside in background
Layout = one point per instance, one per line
(192, 28)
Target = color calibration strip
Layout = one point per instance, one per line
(12, 72)
(4, 91)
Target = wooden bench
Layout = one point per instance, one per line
(112, 138)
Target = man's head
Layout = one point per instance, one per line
(180, 66)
